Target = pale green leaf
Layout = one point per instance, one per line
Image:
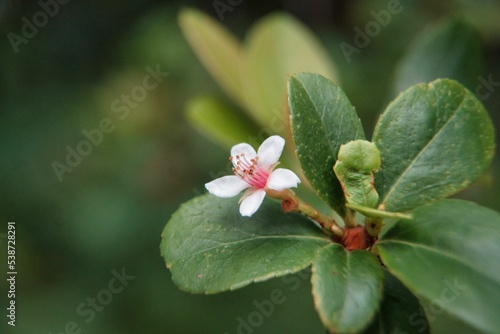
(217, 121)
(278, 46)
(356, 162)
(217, 48)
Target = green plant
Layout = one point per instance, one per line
(396, 252)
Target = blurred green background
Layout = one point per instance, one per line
(108, 213)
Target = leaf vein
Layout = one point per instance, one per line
(436, 135)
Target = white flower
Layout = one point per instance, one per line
(254, 172)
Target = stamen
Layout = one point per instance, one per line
(250, 171)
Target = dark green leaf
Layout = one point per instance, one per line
(400, 311)
(451, 50)
(210, 247)
(322, 119)
(441, 322)
(434, 140)
(347, 288)
(448, 256)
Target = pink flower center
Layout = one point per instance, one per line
(250, 171)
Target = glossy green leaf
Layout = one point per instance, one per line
(278, 46)
(434, 140)
(217, 48)
(347, 288)
(218, 121)
(448, 256)
(400, 311)
(322, 120)
(451, 49)
(210, 247)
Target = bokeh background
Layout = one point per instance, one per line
(108, 213)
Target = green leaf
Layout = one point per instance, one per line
(217, 48)
(370, 212)
(276, 47)
(445, 323)
(210, 247)
(434, 140)
(451, 49)
(400, 311)
(322, 120)
(356, 162)
(448, 256)
(347, 288)
(218, 121)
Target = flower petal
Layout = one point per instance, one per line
(252, 203)
(240, 149)
(282, 178)
(226, 186)
(270, 151)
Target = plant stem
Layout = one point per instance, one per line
(292, 203)
(350, 218)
